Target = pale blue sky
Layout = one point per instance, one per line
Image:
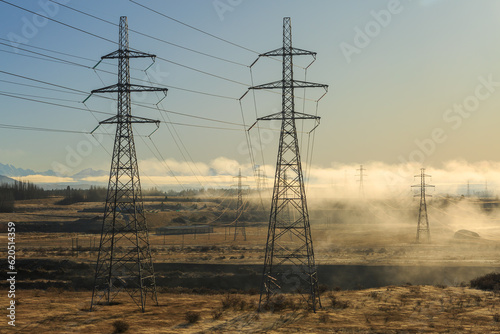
(393, 92)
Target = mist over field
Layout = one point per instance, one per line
(337, 181)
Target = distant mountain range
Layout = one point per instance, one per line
(9, 170)
(12, 171)
(89, 172)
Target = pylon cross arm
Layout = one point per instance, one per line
(128, 88)
(294, 115)
(125, 53)
(306, 84)
(129, 119)
(288, 52)
(280, 84)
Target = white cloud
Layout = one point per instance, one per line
(336, 181)
(44, 179)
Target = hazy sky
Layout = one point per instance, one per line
(409, 80)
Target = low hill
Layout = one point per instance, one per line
(6, 179)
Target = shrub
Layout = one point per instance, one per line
(279, 303)
(192, 317)
(179, 221)
(322, 288)
(120, 326)
(489, 281)
(217, 314)
(233, 302)
(337, 304)
(324, 318)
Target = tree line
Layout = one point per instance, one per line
(18, 190)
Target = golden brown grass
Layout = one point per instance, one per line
(408, 309)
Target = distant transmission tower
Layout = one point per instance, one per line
(260, 183)
(289, 265)
(239, 210)
(124, 261)
(361, 185)
(423, 219)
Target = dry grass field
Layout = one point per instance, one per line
(404, 309)
(366, 254)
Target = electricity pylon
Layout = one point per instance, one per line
(289, 265)
(261, 183)
(423, 219)
(361, 185)
(239, 210)
(124, 261)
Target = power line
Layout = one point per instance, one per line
(47, 56)
(18, 96)
(258, 125)
(42, 129)
(58, 52)
(67, 62)
(106, 113)
(41, 81)
(310, 150)
(164, 59)
(38, 87)
(38, 96)
(53, 104)
(31, 128)
(249, 142)
(180, 140)
(203, 72)
(77, 91)
(109, 98)
(34, 57)
(106, 39)
(203, 32)
(161, 161)
(188, 115)
(152, 37)
(194, 28)
(64, 24)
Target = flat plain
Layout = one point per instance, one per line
(375, 278)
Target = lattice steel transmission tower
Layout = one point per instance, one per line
(239, 210)
(124, 261)
(260, 183)
(423, 219)
(361, 175)
(289, 264)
